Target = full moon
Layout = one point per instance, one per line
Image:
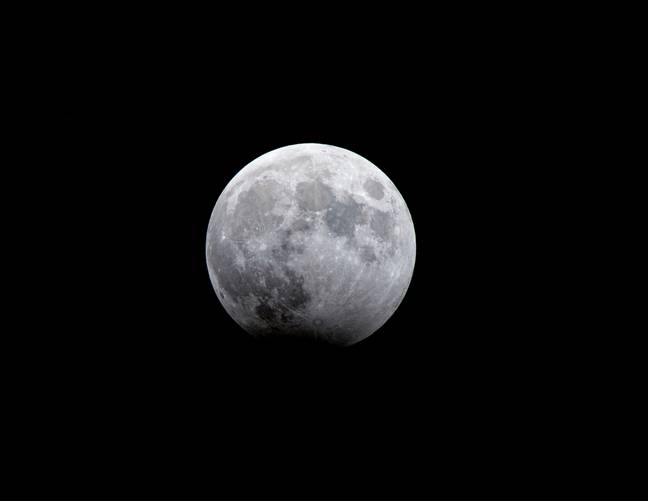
(311, 241)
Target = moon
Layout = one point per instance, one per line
(311, 241)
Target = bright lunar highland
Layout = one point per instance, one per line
(311, 241)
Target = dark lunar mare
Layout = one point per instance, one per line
(343, 217)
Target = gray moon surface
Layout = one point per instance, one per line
(311, 241)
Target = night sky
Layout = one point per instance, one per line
(459, 126)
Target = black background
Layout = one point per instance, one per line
(460, 116)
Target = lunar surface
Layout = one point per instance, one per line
(311, 241)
